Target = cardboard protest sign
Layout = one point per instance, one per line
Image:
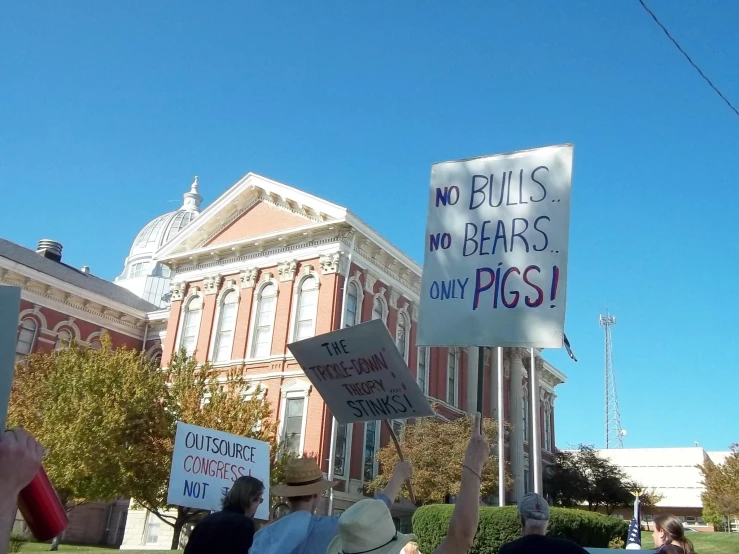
(361, 375)
(495, 263)
(10, 300)
(205, 464)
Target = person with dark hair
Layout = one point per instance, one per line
(669, 536)
(230, 531)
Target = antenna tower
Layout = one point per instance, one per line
(614, 432)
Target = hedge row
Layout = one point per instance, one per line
(501, 525)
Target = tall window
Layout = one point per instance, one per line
(293, 425)
(378, 309)
(305, 324)
(262, 343)
(340, 452)
(63, 339)
(352, 299)
(370, 445)
(402, 335)
(525, 415)
(422, 374)
(26, 336)
(191, 325)
(547, 428)
(226, 326)
(152, 529)
(451, 387)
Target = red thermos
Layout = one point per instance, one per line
(42, 510)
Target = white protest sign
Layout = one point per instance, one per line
(495, 263)
(205, 464)
(361, 375)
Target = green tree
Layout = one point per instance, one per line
(721, 482)
(584, 477)
(436, 450)
(108, 418)
(97, 412)
(199, 395)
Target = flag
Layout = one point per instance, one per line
(569, 349)
(633, 540)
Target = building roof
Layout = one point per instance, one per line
(72, 276)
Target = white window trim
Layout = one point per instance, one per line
(299, 389)
(375, 464)
(266, 279)
(347, 456)
(456, 376)
(525, 413)
(403, 313)
(193, 292)
(36, 331)
(36, 313)
(547, 425)
(307, 272)
(229, 287)
(380, 295)
(426, 357)
(360, 297)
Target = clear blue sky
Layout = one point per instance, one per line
(107, 110)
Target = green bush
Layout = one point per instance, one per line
(16, 542)
(501, 525)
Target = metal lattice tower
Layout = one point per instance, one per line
(614, 432)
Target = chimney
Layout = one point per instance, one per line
(85, 269)
(50, 249)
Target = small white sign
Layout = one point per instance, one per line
(361, 375)
(495, 262)
(205, 464)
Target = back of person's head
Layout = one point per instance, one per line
(245, 495)
(534, 513)
(669, 529)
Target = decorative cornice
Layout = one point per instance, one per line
(369, 282)
(212, 283)
(287, 270)
(330, 262)
(248, 277)
(178, 291)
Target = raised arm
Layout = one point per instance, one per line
(20, 459)
(403, 472)
(466, 514)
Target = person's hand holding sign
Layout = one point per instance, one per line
(403, 472)
(478, 449)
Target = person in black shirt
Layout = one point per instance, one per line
(534, 513)
(230, 531)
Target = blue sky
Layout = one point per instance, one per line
(109, 109)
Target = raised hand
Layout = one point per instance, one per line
(404, 470)
(20, 458)
(478, 449)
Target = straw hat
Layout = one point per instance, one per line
(368, 527)
(303, 477)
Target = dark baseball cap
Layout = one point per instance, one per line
(533, 506)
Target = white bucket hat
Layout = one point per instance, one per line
(368, 528)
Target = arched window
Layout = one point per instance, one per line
(525, 415)
(401, 339)
(265, 318)
(547, 427)
(422, 373)
(95, 344)
(452, 370)
(226, 326)
(191, 324)
(378, 309)
(26, 338)
(305, 320)
(352, 300)
(63, 339)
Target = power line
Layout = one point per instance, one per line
(684, 53)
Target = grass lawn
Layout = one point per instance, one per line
(44, 547)
(704, 543)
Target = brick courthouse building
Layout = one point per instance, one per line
(266, 264)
